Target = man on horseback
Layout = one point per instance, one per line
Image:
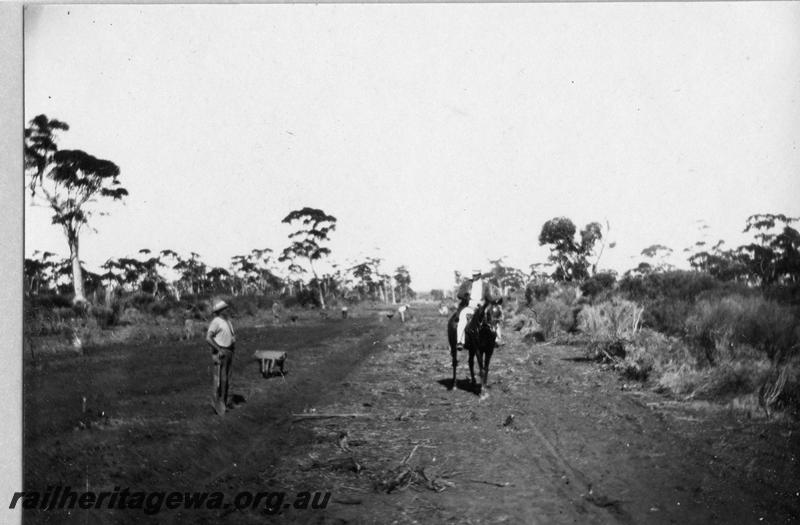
(472, 293)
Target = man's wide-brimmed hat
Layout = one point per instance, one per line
(476, 272)
(219, 306)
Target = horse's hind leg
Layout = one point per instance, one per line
(472, 366)
(451, 340)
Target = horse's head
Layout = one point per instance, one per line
(493, 315)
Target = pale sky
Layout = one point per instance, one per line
(439, 135)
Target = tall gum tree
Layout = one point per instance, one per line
(775, 257)
(570, 256)
(314, 227)
(70, 182)
(403, 279)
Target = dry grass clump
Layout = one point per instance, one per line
(668, 297)
(719, 346)
(680, 379)
(730, 327)
(639, 363)
(553, 317)
(789, 396)
(646, 354)
(735, 347)
(731, 379)
(55, 321)
(526, 324)
(518, 321)
(674, 367)
(561, 314)
(613, 319)
(740, 381)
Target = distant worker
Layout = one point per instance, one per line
(222, 340)
(344, 312)
(276, 312)
(402, 311)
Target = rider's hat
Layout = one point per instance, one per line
(476, 272)
(219, 306)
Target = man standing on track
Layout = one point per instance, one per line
(222, 339)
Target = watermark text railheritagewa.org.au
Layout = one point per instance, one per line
(152, 502)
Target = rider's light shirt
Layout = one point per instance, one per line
(476, 293)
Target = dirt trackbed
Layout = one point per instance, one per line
(558, 440)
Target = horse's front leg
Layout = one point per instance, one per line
(480, 358)
(454, 356)
(472, 365)
(487, 357)
(482, 375)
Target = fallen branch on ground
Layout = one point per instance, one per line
(434, 482)
(320, 416)
(410, 454)
(493, 483)
(610, 358)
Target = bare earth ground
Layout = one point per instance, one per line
(578, 449)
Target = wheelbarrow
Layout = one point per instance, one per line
(270, 358)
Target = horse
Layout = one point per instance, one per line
(479, 340)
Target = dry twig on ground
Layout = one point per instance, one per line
(321, 416)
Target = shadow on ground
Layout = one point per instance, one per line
(461, 384)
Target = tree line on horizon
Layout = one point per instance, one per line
(771, 258)
(72, 182)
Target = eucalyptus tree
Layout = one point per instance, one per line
(363, 279)
(192, 273)
(568, 254)
(314, 227)
(369, 278)
(219, 279)
(658, 257)
(70, 182)
(169, 259)
(335, 282)
(243, 271)
(152, 280)
(254, 271)
(507, 278)
(383, 280)
(775, 257)
(403, 279)
(39, 273)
